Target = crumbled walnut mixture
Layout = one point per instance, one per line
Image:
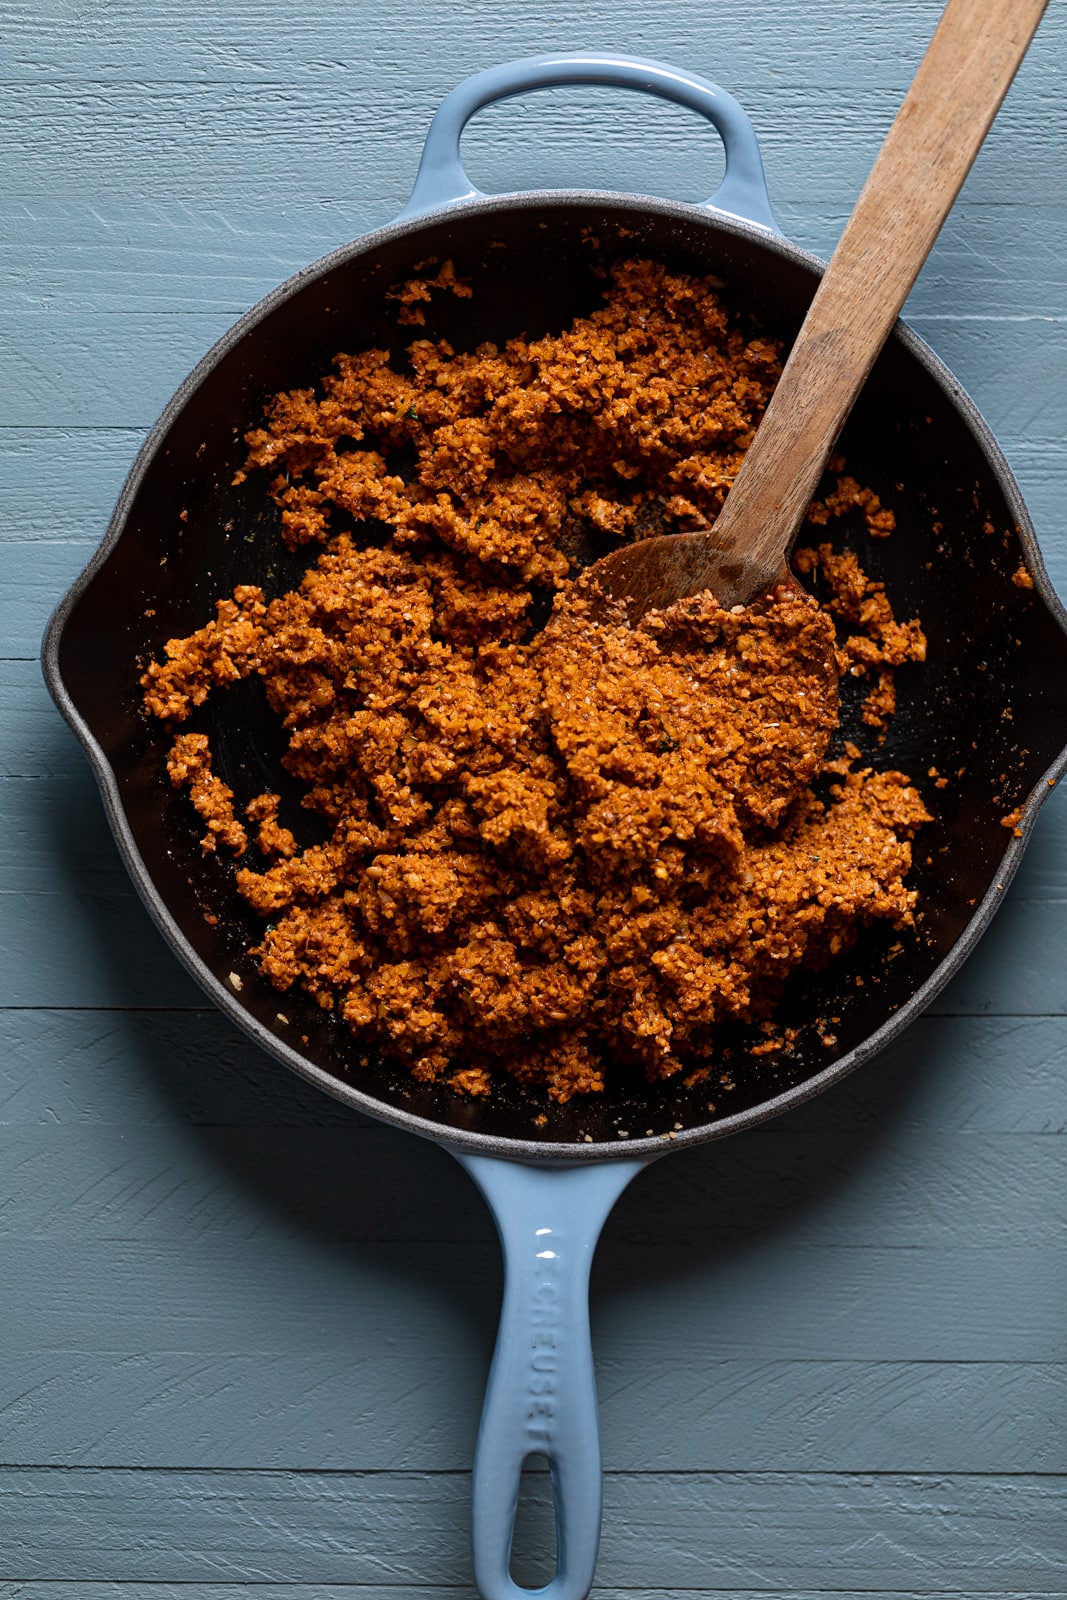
(546, 851)
(881, 643)
(421, 289)
(189, 766)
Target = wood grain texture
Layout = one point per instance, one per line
(243, 1332)
(71, 378)
(77, 1184)
(359, 1591)
(910, 1163)
(779, 1303)
(400, 1531)
(950, 1076)
(389, 1413)
(127, 256)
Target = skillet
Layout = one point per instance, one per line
(988, 709)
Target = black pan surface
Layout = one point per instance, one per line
(988, 709)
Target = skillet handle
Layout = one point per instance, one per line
(441, 179)
(541, 1395)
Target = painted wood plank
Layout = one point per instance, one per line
(121, 1590)
(838, 1185)
(98, 950)
(947, 1078)
(126, 257)
(35, 575)
(184, 138)
(61, 484)
(718, 1301)
(89, 950)
(35, 813)
(1012, 371)
(195, 141)
(768, 1531)
(38, 743)
(39, 746)
(200, 42)
(1014, 970)
(119, 370)
(303, 1411)
(132, 1068)
(120, 376)
(33, 578)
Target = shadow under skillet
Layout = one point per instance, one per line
(748, 1192)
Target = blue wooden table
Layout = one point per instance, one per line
(243, 1335)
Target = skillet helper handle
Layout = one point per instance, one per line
(928, 152)
(441, 179)
(541, 1395)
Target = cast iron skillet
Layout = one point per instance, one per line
(988, 711)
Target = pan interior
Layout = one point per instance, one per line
(988, 710)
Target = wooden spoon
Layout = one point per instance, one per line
(961, 81)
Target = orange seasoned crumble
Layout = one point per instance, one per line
(545, 851)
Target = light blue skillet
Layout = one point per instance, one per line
(549, 1195)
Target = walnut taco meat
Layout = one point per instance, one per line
(544, 851)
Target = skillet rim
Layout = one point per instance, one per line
(571, 1152)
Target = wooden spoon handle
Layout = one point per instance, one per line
(920, 168)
